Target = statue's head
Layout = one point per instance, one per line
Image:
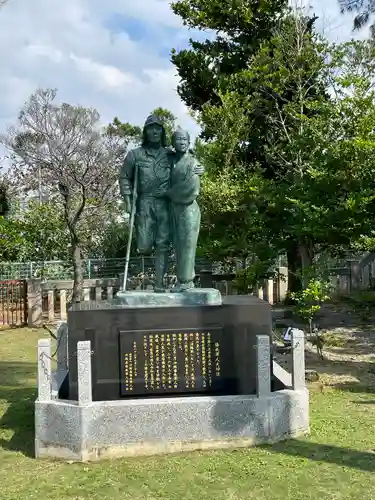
(154, 132)
(181, 140)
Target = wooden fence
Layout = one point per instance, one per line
(47, 302)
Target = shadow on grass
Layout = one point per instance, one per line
(18, 326)
(19, 400)
(361, 460)
(16, 374)
(355, 387)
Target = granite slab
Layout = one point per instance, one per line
(113, 429)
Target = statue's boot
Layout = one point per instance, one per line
(161, 264)
(187, 286)
(183, 287)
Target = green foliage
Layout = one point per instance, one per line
(247, 280)
(241, 27)
(113, 241)
(230, 193)
(11, 239)
(128, 132)
(36, 233)
(272, 111)
(288, 122)
(46, 236)
(236, 85)
(309, 301)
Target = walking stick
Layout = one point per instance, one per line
(131, 226)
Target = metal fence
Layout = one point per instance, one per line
(111, 268)
(92, 268)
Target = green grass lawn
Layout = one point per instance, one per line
(335, 462)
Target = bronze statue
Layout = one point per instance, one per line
(159, 188)
(185, 212)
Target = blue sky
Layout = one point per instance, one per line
(109, 54)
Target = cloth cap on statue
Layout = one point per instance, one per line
(153, 120)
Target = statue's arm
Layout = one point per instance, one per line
(127, 175)
(186, 191)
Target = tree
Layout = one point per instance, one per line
(76, 160)
(291, 76)
(239, 113)
(129, 133)
(212, 69)
(36, 232)
(241, 27)
(11, 240)
(45, 234)
(285, 161)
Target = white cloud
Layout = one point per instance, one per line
(332, 23)
(73, 46)
(68, 45)
(105, 76)
(157, 12)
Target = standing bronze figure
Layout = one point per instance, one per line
(151, 163)
(185, 212)
(159, 188)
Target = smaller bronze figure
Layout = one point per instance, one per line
(185, 212)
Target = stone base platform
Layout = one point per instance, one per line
(191, 297)
(134, 427)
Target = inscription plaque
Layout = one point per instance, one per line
(165, 361)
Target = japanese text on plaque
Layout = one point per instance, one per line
(174, 361)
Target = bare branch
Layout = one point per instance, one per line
(64, 148)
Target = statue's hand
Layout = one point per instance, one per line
(127, 204)
(198, 169)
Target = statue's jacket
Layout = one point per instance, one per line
(153, 168)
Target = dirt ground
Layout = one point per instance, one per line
(350, 363)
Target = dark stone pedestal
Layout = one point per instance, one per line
(140, 352)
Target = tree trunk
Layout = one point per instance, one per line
(294, 269)
(299, 258)
(77, 271)
(306, 253)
